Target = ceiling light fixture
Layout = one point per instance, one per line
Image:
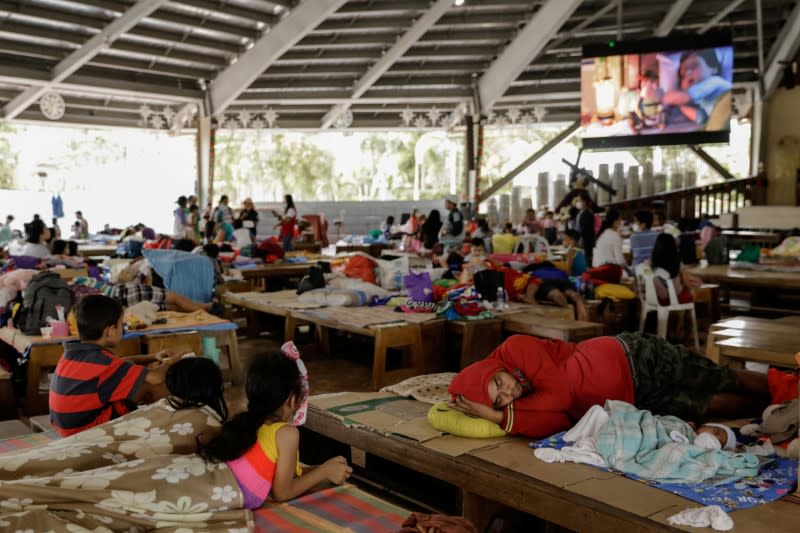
(459, 2)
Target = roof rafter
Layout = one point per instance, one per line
(672, 17)
(785, 49)
(400, 47)
(67, 66)
(528, 43)
(299, 22)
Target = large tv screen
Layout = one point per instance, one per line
(657, 92)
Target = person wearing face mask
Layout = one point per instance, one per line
(538, 387)
(643, 238)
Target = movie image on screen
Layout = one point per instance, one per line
(682, 96)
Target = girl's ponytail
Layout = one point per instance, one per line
(270, 381)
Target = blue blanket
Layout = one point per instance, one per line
(638, 442)
(774, 481)
(189, 275)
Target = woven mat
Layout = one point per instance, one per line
(333, 509)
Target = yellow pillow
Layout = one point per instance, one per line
(614, 291)
(448, 420)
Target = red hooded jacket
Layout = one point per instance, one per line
(560, 381)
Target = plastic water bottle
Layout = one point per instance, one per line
(501, 298)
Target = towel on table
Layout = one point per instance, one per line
(713, 516)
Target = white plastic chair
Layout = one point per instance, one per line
(532, 244)
(649, 299)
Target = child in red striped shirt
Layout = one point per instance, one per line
(91, 385)
(260, 445)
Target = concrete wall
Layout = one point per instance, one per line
(359, 217)
(783, 146)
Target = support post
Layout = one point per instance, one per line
(531, 160)
(469, 157)
(204, 186)
(713, 163)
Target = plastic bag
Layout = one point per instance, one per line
(360, 267)
(419, 286)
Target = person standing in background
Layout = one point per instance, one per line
(248, 217)
(179, 216)
(80, 229)
(286, 222)
(223, 212)
(584, 224)
(453, 230)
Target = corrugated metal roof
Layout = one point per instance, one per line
(170, 56)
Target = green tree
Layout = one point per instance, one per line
(8, 158)
(299, 166)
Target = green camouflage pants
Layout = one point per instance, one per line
(672, 380)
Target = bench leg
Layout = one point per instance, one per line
(712, 350)
(253, 323)
(397, 337)
(323, 339)
(478, 342)
(289, 328)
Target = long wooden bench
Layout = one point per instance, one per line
(389, 329)
(551, 328)
(577, 497)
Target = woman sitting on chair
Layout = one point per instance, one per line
(666, 265)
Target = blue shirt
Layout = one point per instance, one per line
(642, 243)
(455, 223)
(705, 94)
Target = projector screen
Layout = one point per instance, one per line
(657, 92)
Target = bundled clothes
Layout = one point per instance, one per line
(561, 380)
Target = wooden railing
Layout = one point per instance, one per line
(714, 200)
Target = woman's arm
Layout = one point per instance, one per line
(285, 486)
(516, 418)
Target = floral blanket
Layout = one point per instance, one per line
(136, 473)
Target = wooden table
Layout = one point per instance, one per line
(310, 247)
(577, 497)
(375, 250)
(733, 341)
(551, 328)
(43, 354)
(770, 292)
(96, 250)
(259, 276)
(727, 276)
(270, 303)
(390, 330)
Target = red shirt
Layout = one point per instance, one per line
(564, 380)
(91, 385)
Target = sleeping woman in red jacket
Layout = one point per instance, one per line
(538, 387)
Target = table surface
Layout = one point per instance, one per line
(176, 322)
(724, 274)
(575, 496)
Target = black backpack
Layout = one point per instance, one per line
(43, 293)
